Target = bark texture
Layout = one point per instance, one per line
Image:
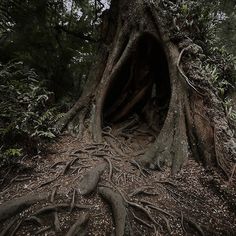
(140, 70)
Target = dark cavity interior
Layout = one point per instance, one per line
(142, 86)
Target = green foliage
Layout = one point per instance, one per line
(26, 118)
(221, 68)
(13, 152)
(212, 26)
(46, 36)
(199, 22)
(231, 113)
(46, 48)
(191, 19)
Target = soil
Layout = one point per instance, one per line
(184, 204)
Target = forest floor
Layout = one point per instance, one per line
(156, 203)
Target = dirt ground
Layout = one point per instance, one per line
(157, 203)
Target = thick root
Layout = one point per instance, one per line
(90, 179)
(69, 116)
(79, 227)
(14, 206)
(118, 210)
(171, 146)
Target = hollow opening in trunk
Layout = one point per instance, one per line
(142, 86)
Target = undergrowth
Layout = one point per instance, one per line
(27, 113)
(197, 22)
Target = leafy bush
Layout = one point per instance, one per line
(26, 118)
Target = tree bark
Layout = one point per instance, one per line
(137, 54)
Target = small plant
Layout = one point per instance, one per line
(13, 152)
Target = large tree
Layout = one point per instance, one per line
(142, 60)
(154, 61)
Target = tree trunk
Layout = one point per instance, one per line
(139, 65)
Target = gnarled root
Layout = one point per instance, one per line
(90, 179)
(14, 206)
(118, 210)
(70, 115)
(79, 227)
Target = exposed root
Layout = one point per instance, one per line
(52, 198)
(16, 228)
(118, 210)
(55, 214)
(141, 221)
(43, 230)
(167, 182)
(15, 206)
(72, 205)
(63, 122)
(67, 167)
(141, 190)
(58, 207)
(195, 226)
(144, 210)
(135, 205)
(117, 150)
(232, 174)
(167, 224)
(141, 169)
(56, 222)
(90, 180)
(182, 223)
(151, 205)
(50, 181)
(79, 227)
(5, 232)
(34, 219)
(56, 164)
(19, 179)
(110, 168)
